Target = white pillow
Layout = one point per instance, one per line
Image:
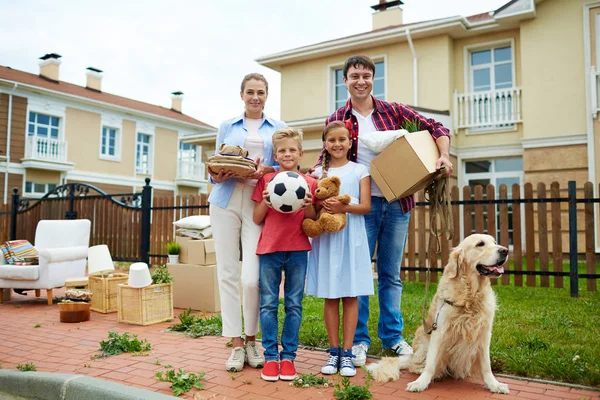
(377, 143)
(193, 222)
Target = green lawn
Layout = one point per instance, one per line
(538, 332)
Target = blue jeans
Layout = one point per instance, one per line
(293, 264)
(387, 226)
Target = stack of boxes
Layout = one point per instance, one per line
(195, 282)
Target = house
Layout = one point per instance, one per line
(54, 132)
(517, 86)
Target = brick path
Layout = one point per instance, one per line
(67, 348)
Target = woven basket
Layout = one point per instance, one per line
(104, 298)
(145, 306)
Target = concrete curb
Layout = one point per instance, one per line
(55, 386)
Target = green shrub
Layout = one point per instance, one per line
(125, 343)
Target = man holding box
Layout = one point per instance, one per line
(387, 223)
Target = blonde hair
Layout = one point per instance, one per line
(326, 156)
(257, 77)
(287, 133)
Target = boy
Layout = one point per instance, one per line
(282, 246)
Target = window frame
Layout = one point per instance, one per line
(117, 155)
(138, 171)
(331, 83)
(33, 193)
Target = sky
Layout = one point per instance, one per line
(149, 49)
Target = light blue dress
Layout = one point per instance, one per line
(339, 264)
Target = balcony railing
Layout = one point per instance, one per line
(494, 109)
(191, 170)
(46, 149)
(595, 89)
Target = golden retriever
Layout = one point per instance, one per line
(455, 340)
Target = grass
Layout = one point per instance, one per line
(538, 332)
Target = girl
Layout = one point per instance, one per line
(339, 265)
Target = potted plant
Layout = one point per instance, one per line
(173, 249)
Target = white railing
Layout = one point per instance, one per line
(492, 109)
(595, 88)
(41, 148)
(190, 170)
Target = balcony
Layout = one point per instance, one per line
(488, 111)
(46, 153)
(190, 173)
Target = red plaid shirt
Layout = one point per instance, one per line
(386, 117)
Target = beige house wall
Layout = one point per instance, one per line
(186, 190)
(165, 153)
(128, 147)
(435, 80)
(551, 77)
(42, 176)
(80, 127)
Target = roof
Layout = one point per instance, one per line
(18, 76)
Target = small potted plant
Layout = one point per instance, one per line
(173, 249)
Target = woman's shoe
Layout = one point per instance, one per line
(346, 364)
(333, 363)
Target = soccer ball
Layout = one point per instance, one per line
(287, 191)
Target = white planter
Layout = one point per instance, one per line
(173, 258)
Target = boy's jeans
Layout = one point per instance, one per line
(387, 226)
(293, 264)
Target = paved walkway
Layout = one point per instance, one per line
(68, 348)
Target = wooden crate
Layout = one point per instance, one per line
(104, 297)
(145, 306)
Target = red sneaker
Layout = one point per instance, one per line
(287, 370)
(270, 371)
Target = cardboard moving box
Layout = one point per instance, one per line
(199, 252)
(195, 287)
(405, 166)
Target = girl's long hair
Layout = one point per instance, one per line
(326, 156)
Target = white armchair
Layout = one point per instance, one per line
(63, 247)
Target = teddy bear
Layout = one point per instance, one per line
(326, 188)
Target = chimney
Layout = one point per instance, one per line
(94, 79)
(49, 66)
(387, 13)
(176, 101)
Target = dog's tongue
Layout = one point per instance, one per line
(499, 270)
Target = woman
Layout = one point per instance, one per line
(231, 210)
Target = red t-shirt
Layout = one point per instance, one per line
(282, 232)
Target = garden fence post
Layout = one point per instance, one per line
(13, 214)
(146, 215)
(573, 271)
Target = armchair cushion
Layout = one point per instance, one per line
(63, 254)
(15, 250)
(20, 272)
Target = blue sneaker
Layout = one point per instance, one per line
(332, 365)
(347, 364)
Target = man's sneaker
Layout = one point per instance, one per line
(346, 364)
(402, 348)
(333, 363)
(359, 351)
(270, 371)
(253, 356)
(235, 363)
(287, 370)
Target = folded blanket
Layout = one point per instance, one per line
(16, 251)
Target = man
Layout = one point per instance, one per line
(387, 223)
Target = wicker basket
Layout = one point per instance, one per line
(104, 298)
(145, 306)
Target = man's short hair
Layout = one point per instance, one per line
(287, 133)
(355, 61)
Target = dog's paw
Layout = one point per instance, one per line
(416, 386)
(498, 387)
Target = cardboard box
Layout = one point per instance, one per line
(405, 166)
(198, 252)
(195, 287)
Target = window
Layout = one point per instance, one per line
(341, 92)
(507, 171)
(142, 154)
(187, 152)
(491, 71)
(42, 125)
(38, 189)
(109, 142)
